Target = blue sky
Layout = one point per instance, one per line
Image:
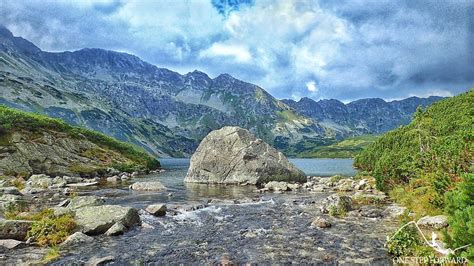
(319, 49)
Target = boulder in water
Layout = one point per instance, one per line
(232, 155)
(98, 219)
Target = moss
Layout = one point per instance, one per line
(51, 230)
(337, 212)
(87, 170)
(52, 254)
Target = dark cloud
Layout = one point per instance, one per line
(349, 49)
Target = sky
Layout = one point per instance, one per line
(347, 49)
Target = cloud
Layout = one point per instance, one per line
(388, 49)
(311, 86)
(238, 52)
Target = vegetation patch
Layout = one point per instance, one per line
(50, 230)
(427, 166)
(12, 120)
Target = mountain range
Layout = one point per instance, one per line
(168, 113)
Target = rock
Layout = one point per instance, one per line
(365, 198)
(336, 204)
(72, 179)
(113, 179)
(94, 261)
(14, 229)
(148, 186)
(63, 203)
(77, 238)
(362, 185)
(84, 201)
(116, 229)
(11, 243)
(10, 191)
(321, 223)
(39, 181)
(277, 186)
(232, 155)
(294, 186)
(7, 200)
(156, 209)
(98, 219)
(135, 174)
(368, 211)
(345, 185)
(435, 222)
(85, 184)
(394, 211)
(124, 177)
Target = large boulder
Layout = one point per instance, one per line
(97, 220)
(232, 155)
(148, 186)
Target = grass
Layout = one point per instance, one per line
(12, 120)
(347, 148)
(50, 230)
(52, 254)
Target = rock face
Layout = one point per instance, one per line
(14, 229)
(98, 219)
(232, 155)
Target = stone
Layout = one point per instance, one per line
(94, 261)
(345, 185)
(72, 179)
(96, 220)
(232, 155)
(124, 177)
(435, 222)
(336, 203)
(113, 179)
(135, 174)
(64, 203)
(85, 184)
(77, 238)
(11, 243)
(321, 223)
(116, 229)
(84, 201)
(39, 181)
(394, 211)
(14, 229)
(148, 186)
(277, 186)
(156, 209)
(7, 200)
(362, 185)
(10, 191)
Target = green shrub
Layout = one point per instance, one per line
(460, 207)
(52, 254)
(49, 230)
(404, 243)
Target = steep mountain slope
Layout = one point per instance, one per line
(365, 116)
(36, 144)
(122, 96)
(167, 113)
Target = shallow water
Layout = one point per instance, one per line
(240, 225)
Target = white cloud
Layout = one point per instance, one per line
(311, 86)
(239, 52)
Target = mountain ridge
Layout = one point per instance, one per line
(161, 110)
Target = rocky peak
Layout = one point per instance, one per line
(5, 33)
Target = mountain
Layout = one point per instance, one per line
(37, 144)
(163, 111)
(364, 116)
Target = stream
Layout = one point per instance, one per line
(231, 224)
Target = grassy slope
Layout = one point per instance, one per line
(428, 166)
(347, 148)
(13, 120)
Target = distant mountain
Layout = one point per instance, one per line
(365, 116)
(168, 113)
(131, 100)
